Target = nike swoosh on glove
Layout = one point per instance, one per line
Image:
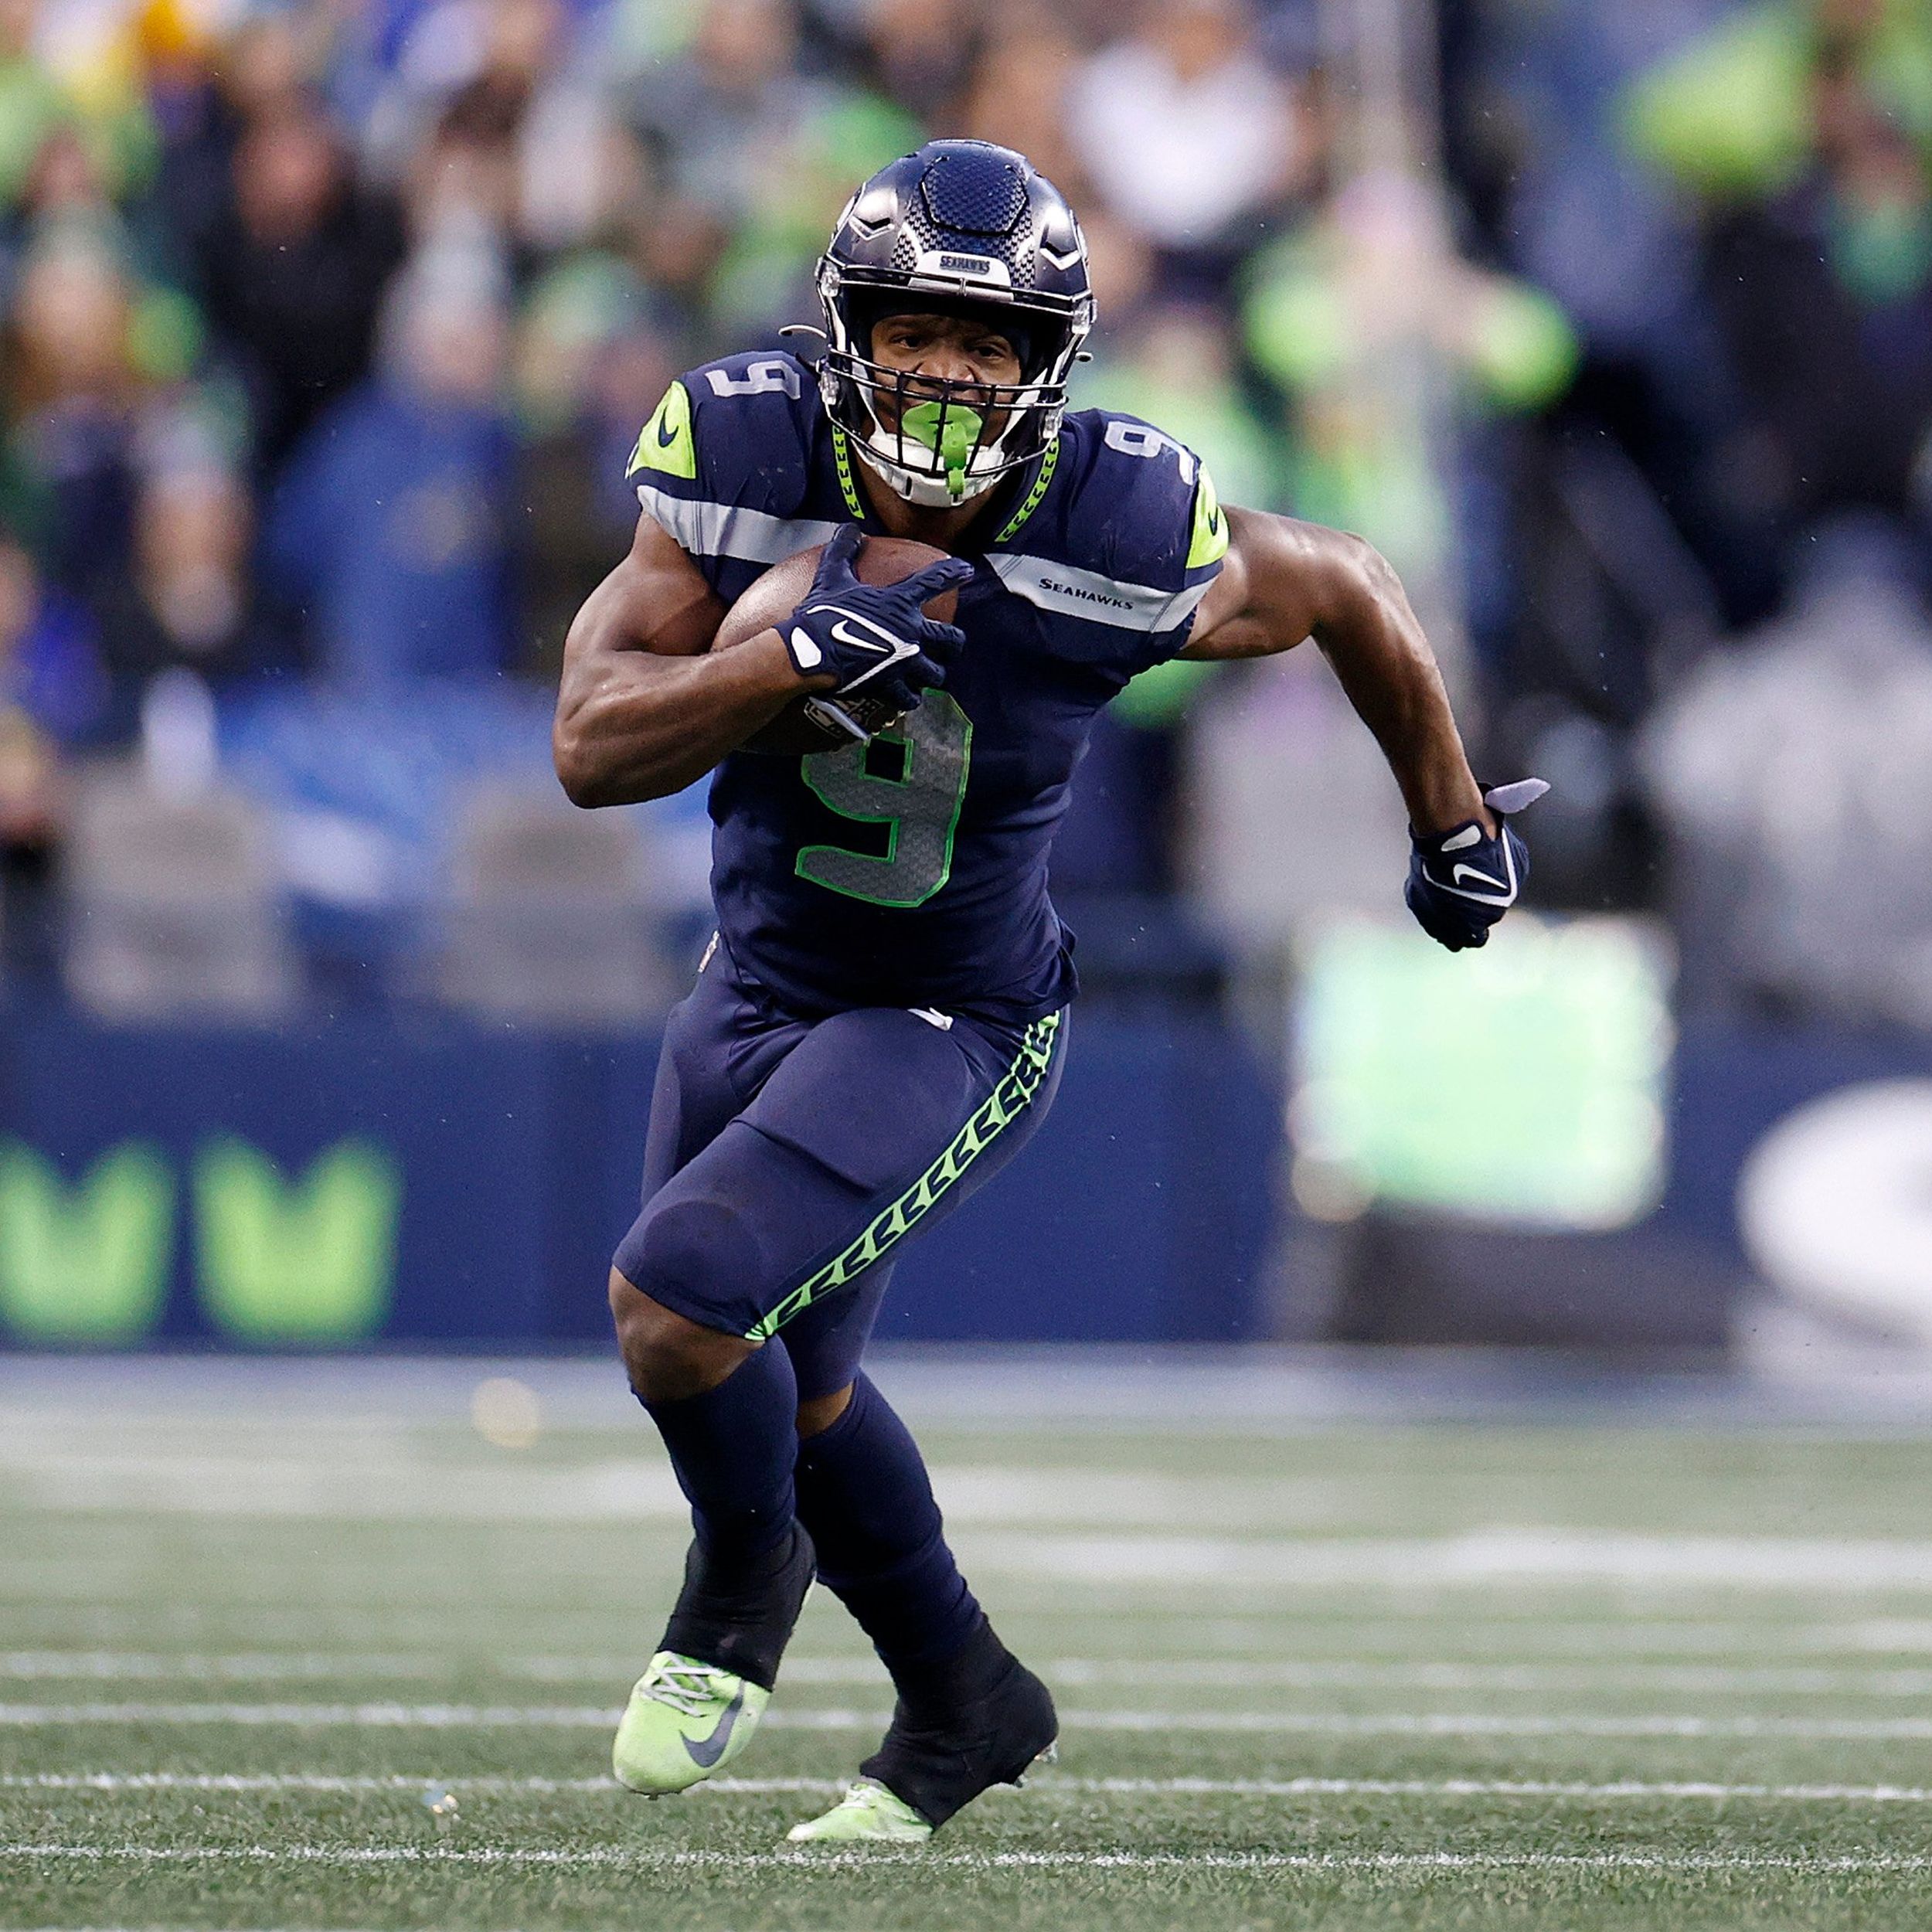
(874, 638)
(1461, 882)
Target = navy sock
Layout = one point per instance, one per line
(864, 1494)
(733, 1448)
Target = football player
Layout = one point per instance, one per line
(880, 1023)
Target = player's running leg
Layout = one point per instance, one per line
(872, 1123)
(969, 1714)
(750, 1564)
(725, 1412)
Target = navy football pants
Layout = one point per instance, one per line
(788, 1159)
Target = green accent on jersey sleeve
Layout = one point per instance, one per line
(1209, 542)
(666, 442)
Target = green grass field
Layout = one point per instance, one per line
(1390, 1677)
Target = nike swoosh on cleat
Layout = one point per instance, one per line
(707, 1751)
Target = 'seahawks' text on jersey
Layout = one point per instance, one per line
(912, 872)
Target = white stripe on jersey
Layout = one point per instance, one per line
(1067, 592)
(722, 529)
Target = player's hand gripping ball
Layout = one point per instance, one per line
(873, 613)
(1461, 882)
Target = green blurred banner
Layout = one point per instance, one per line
(1525, 1083)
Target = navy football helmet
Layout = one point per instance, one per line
(962, 227)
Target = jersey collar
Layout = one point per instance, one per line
(1043, 467)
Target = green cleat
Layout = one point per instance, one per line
(684, 1721)
(867, 1814)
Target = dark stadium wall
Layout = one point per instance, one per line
(431, 1183)
(427, 1183)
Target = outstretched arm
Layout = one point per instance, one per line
(1285, 580)
(644, 709)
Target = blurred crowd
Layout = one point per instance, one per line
(329, 323)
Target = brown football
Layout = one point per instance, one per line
(772, 598)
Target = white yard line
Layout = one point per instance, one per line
(1231, 1671)
(1245, 1675)
(667, 1860)
(1048, 1784)
(255, 1666)
(1486, 1724)
(1629, 1788)
(395, 1482)
(1544, 1555)
(1450, 1625)
(1182, 1724)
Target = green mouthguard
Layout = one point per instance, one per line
(955, 442)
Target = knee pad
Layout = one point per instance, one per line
(698, 1256)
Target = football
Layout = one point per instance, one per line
(772, 598)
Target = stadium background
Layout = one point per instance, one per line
(328, 328)
(329, 1536)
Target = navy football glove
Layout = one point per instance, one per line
(873, 638)
(1460, 883)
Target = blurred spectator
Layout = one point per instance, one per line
(713, 116)
(1678, 282)
(32, 103)
(1018, 98)
(190, 604)
(1175, 368)
(1792, 771)
(1735, 116)
(75, 393)
(261, 68)
(1336, 307)
(1124, 275)
(76, 66)
(1825, 297)
(923, 52)
(508, 134)
(390, 526)
(765, 278)
(52, 695)
(588, 377)
(1750, 147)
(50, 678)
(741, 137)
(293, 270)
(1185, 132)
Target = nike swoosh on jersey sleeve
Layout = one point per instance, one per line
(667, 442)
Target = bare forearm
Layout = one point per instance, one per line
(633, 725)
(1382, 660)
(1285, 580)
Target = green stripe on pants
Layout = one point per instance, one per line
(1002, 1107)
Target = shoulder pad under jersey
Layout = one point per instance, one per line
(724, 463)
(1120, 554)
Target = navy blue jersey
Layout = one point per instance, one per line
(912, 871)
